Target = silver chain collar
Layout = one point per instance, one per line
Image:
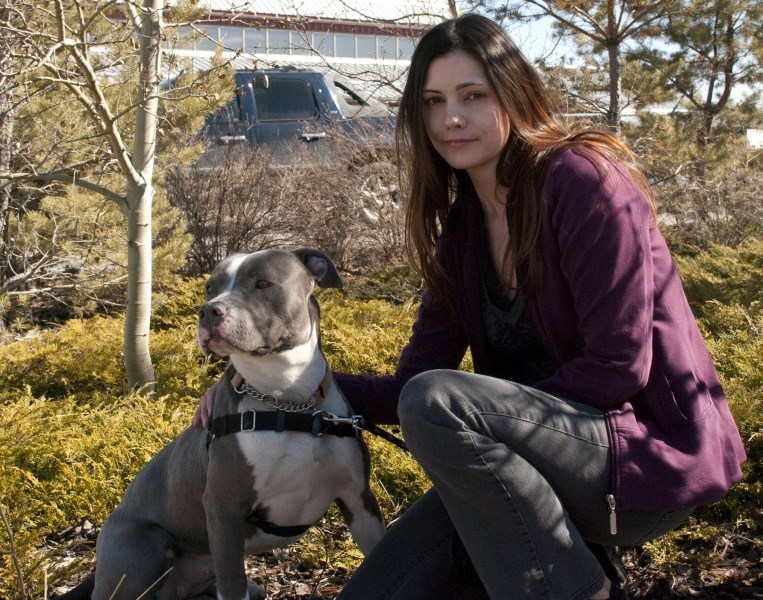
(271, 401)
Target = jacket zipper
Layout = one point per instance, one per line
(611, 497)
(612, 514)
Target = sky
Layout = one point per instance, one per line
(536, 40)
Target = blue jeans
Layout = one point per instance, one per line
(521, 476)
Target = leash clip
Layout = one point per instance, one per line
(322, 419)
(356, 421)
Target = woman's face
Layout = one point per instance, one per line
(464, 119)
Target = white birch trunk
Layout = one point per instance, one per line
(138, 365)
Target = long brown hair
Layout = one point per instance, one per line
(537, 133)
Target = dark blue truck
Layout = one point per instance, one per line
(311, 118)
(304, 115)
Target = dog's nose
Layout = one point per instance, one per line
(212, 313)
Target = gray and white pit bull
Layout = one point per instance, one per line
(208, 499)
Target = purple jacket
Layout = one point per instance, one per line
(612, 312)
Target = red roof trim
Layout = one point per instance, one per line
(314, 24)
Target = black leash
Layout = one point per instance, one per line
(378, 431)
(359, 423)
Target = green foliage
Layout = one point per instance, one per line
(724, 275)
(700, 544)
(366, 336)
(724, 287)
(176, 305)
(363, 337)
(667, 146)
(71, 440)
(398, 285)
(734, 336)
(66, 460)
(84, 357)
(53, 118)
(396, 477)
(79, 241)
(76, 117)
(703, 51)
(192, 97)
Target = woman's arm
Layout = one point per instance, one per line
(601, 227)
(204, 409)
(437, 342)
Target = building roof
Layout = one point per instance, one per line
(420, 12)
(380, 79)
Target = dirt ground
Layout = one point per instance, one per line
(737, 574)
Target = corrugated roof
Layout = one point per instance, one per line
(421, 12)
(381, 79)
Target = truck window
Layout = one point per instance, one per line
(229, 116)
(349, 95)
(284, 99)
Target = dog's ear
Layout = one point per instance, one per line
(321, 266)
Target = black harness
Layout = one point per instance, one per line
(317, 424)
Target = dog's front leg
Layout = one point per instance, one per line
(226, 528)
(363, 517)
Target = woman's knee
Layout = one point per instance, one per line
(414, 395)
(424, 400)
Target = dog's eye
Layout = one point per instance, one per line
(262, 284)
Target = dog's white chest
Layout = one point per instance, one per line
(297, 475)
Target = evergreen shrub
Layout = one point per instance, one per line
(71, 439)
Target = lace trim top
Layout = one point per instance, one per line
(509, 330)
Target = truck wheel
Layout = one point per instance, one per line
(378, 190)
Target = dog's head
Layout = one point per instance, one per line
(261, 303)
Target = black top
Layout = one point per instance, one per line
(509, 329)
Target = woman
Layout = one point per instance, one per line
(595, 414)
(595, 417)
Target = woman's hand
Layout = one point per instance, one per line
(204, 409)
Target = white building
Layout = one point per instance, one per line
(370, 41)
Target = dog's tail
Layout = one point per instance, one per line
(83, 591)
